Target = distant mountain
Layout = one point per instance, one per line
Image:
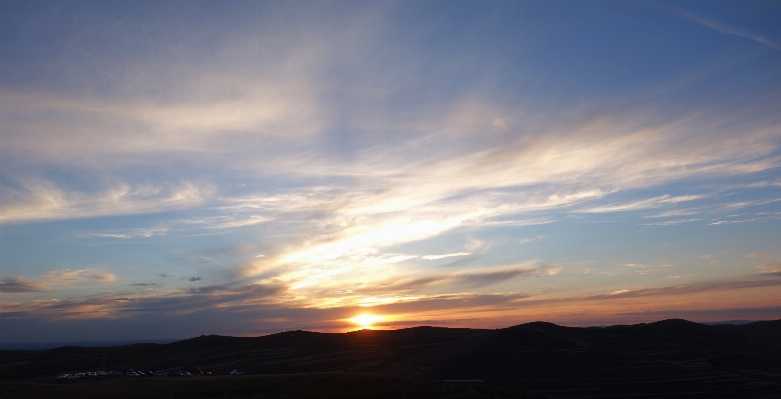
(654, 360)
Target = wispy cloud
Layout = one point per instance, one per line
(405, 288)
(134, 233)
(641, 204)
(684, 289)
(743, 204)
(733, 31)
(770, 269)
(528, 240)
(434, 257)
(674, 212)
(241, 303)
(39, 201)
(672, 222)
(332, 166)
(17, 285)
(746, 218)
(69, 275)
(52, 280)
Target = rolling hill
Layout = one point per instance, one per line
(670, 358)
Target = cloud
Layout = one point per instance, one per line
(226, 222)
(720, 314)
(69, 275)
(528, 240)
(39, 201)
(407, 199)
(484, 279)
(171, 303)
(134, 233)
(52, 280)
(17, 285)
(641, 204)
(434, 257)
(732, 31)
(683, 289)
(671, 222)
(194, 278)
(675, 212)
(428, 281)
(745, 217)
(771, 269)
(358, 244)
(743, 204)
(236, 307)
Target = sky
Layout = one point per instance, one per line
(171, 169)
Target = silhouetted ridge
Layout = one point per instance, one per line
(542, 325)
(655, 360)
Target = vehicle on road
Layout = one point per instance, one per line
(237, 372)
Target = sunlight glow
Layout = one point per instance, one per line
(366, 320)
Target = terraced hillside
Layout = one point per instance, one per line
(672, 358)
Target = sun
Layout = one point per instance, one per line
(366, 320)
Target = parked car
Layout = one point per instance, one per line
(114, 373)
(64, 377)
(160, 373)
(133, 373)
(237, 372)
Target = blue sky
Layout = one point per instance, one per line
(174, 169)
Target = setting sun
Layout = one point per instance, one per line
(366, 320)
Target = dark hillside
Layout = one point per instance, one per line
(655, 360)
(662, 359)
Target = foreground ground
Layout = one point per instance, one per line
(670, 358)
(316, 385)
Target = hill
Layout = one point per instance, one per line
(656, 360)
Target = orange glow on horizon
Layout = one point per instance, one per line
(366, 320)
